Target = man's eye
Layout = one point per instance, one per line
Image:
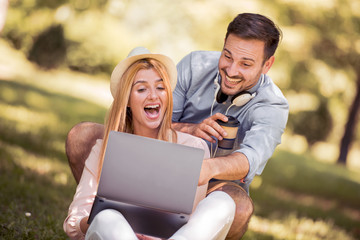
(227, 56)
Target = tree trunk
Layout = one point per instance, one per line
(350, 125)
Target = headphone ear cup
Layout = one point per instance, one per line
(220, 96)
(242, 98)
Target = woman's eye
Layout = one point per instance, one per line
(141, 90)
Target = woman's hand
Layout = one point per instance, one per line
(84, 225)
(145, 237)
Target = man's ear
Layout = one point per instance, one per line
(268, 64)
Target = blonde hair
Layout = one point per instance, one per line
(119, 116)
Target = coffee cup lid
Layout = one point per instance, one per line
(232, 122)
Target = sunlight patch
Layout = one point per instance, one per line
(294, 143)
(294, 227)
(27, 120)
(39, 164)
(256, 183)
(325, 152)
(303, 199)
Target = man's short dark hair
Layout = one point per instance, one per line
(258, 27)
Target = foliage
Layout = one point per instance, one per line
(325, 63)
(49, 48)
(314, 125)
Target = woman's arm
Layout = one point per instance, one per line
(75, 225)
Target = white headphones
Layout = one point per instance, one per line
(239, 99)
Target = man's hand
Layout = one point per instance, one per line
(207, 129)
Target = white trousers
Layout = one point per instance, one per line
(211, 219)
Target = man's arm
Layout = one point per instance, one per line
(234, 166)
(207, 129)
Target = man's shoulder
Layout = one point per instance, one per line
(205, 58)
(206, 53)
(268, 89)
(197, 66)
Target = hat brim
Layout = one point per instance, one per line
(126, 63)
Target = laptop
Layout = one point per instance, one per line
(151, 182)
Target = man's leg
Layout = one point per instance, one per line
(80, 139)
(244, 207)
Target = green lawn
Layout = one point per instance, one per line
(296, 197)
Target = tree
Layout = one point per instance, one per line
(338, 47)
(330, 35)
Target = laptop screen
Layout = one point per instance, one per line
(149, 172)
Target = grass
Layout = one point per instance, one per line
(34, 176)
(296, 197)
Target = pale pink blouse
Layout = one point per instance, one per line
(86, 190)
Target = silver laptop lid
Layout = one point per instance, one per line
(150, 172)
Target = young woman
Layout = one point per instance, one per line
(141, 86)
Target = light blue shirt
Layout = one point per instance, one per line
(262, 119)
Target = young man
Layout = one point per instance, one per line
(210, 85)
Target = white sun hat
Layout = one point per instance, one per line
(137, 54)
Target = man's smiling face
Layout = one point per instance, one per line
(241, 64)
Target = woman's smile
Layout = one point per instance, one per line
(148, 98)
(152, 110)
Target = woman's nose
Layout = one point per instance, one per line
(153, 94)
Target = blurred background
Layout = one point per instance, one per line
(56, 57)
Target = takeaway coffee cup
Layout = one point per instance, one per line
(231, 127)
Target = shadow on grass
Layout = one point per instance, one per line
(308, 188)
(65, 111)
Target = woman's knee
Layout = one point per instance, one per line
(223, 204)
(108, 216)
(110, 224)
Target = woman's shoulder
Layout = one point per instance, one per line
(192, 141)
(189, 140)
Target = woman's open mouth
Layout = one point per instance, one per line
(152, 111)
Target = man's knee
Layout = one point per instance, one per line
(244, 204)
(79, 142)
(82, 137)
(71, 140)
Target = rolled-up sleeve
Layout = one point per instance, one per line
(268, 122)
(84, 196)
